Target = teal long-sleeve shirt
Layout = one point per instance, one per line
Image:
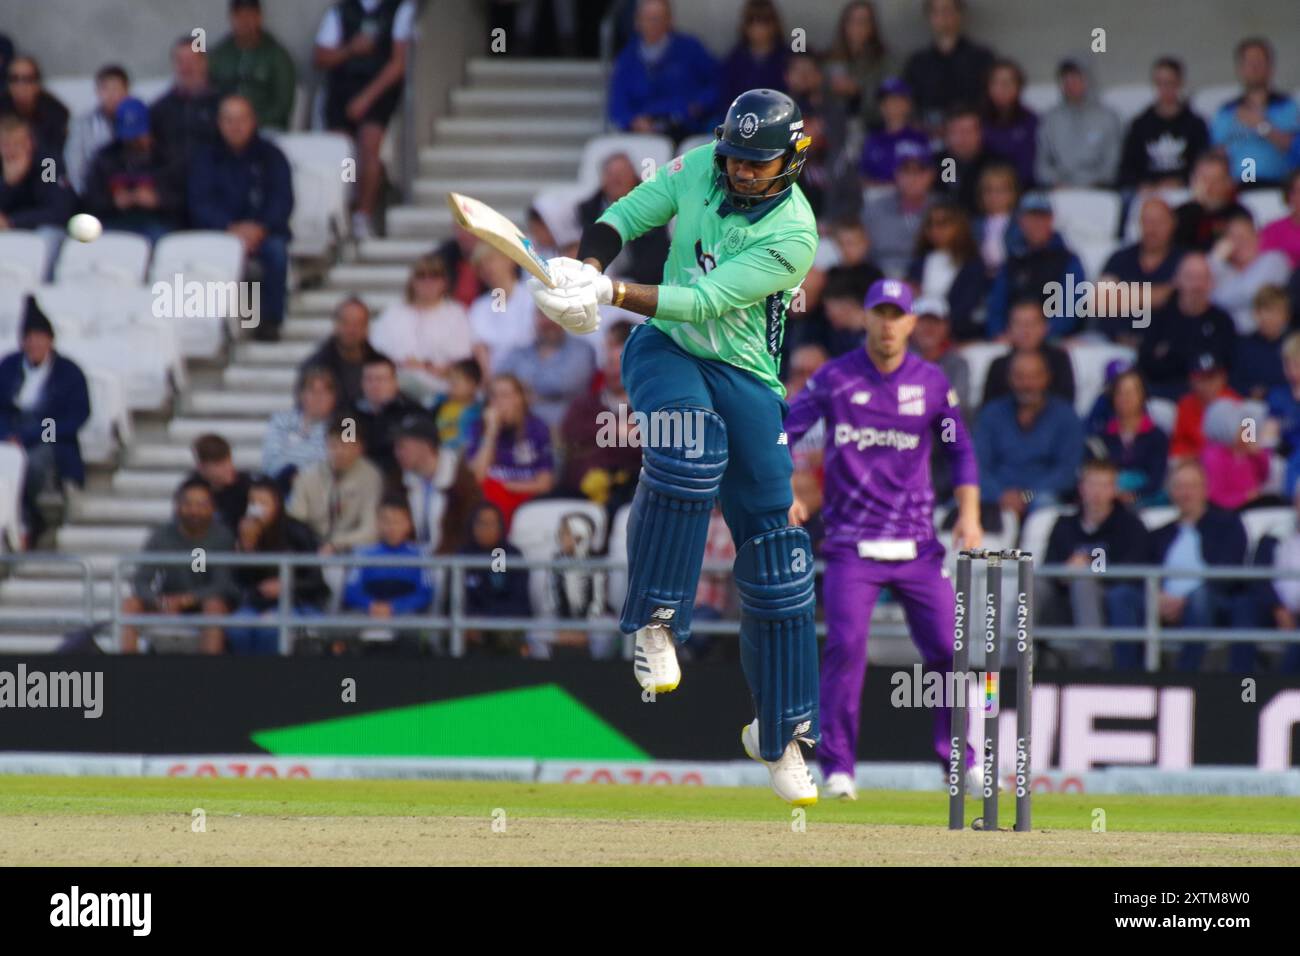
(1042, 458)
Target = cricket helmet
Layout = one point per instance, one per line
(761, 125)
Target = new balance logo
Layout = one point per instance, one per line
(860, 398)
(802, 727)
(663, 614)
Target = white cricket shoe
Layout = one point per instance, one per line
(840, 786)
(790, 777)
(654, 661)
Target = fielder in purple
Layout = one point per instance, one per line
(883, 408)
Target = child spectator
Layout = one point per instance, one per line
(380, 412)
(461, 408)
(1203, 218)
(92, 131)
(498, 591)
(1284, 234)
(879, 151)
(387, 592)
(575, 593)
(509, 449)
(996, 229)
(131, 185)
(1257, 359)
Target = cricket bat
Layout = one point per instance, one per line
(500, 233)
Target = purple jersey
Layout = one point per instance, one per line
(520, 456)
(879, 432)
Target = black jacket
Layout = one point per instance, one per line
(1122, 536)
(116, 166)
(1156, 148)
(347, 374)
(1173, 341)
(940, 80)
(33, 202)
(180, 124)
(309, 587)
(998, 381)
(647, 253)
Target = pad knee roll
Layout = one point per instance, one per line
(669, 521)
(778, 635)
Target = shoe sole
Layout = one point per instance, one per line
(797, 802)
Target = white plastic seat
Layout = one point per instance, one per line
(694, 142)
(114, 257)
(1038, 528)
(533, 531)
(1259, 522)
(1086, 214)
(979, 358)
(1265, 205)
(618, 553)
(13, 469)
(320, 213)
(77, 93)
(1207, 100)
(24, 258)
(1093, 253)
(1128, 99)
(1158, 516)
(198, 256)
(1163, 413)
(1040, 97)
(1088, 360)
(647, 151)
(109, 425)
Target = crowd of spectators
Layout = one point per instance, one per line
(425, 428)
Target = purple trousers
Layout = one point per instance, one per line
(850, 588)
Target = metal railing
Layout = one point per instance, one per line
(456, 623)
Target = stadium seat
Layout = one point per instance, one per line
(120, 257)
(1265, 205)
(199, 256)
(1163, 412)
(320, 211)
(639, 148)
(1264, 521)
(1093, 253)
(1041, 97)
(1089, 361)
(13, 466)
(1207, 100)
(1038, 528)
(77, 93)
(1133, 221)
(150, 88)
(1128, 99)
(1158, 517)
(109, 425)
(24, 258)
(533, 531)
(979, 357)
(1083, 214)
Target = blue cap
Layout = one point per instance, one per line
(131, 120)
(889, 292)
(1035, 202)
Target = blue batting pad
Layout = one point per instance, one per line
(778, 635)
(669, 523)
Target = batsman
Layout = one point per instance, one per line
(707, 359)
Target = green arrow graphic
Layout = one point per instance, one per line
(538, 722)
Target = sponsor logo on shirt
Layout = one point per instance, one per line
(864, 438)
(860, 398)
(781, 259)
(911, 399)
(952, 398)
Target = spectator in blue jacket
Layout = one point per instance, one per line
(1201, 537)
(1029, 443)
(390, 591)
(1258, 125)
(43, 404)
(664, 81)
(1027, 271)
(243, 186)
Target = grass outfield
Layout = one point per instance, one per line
(117, 820)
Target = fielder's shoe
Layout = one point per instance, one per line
(840, 786)
(655, 659)
(790, 777)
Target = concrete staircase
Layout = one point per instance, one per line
(515, 127)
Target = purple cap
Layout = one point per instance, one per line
(910, 151)
(889, 292)
(893, 86)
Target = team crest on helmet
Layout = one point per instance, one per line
(748, 125)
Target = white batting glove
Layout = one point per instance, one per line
(572, 308)
(565, 272)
